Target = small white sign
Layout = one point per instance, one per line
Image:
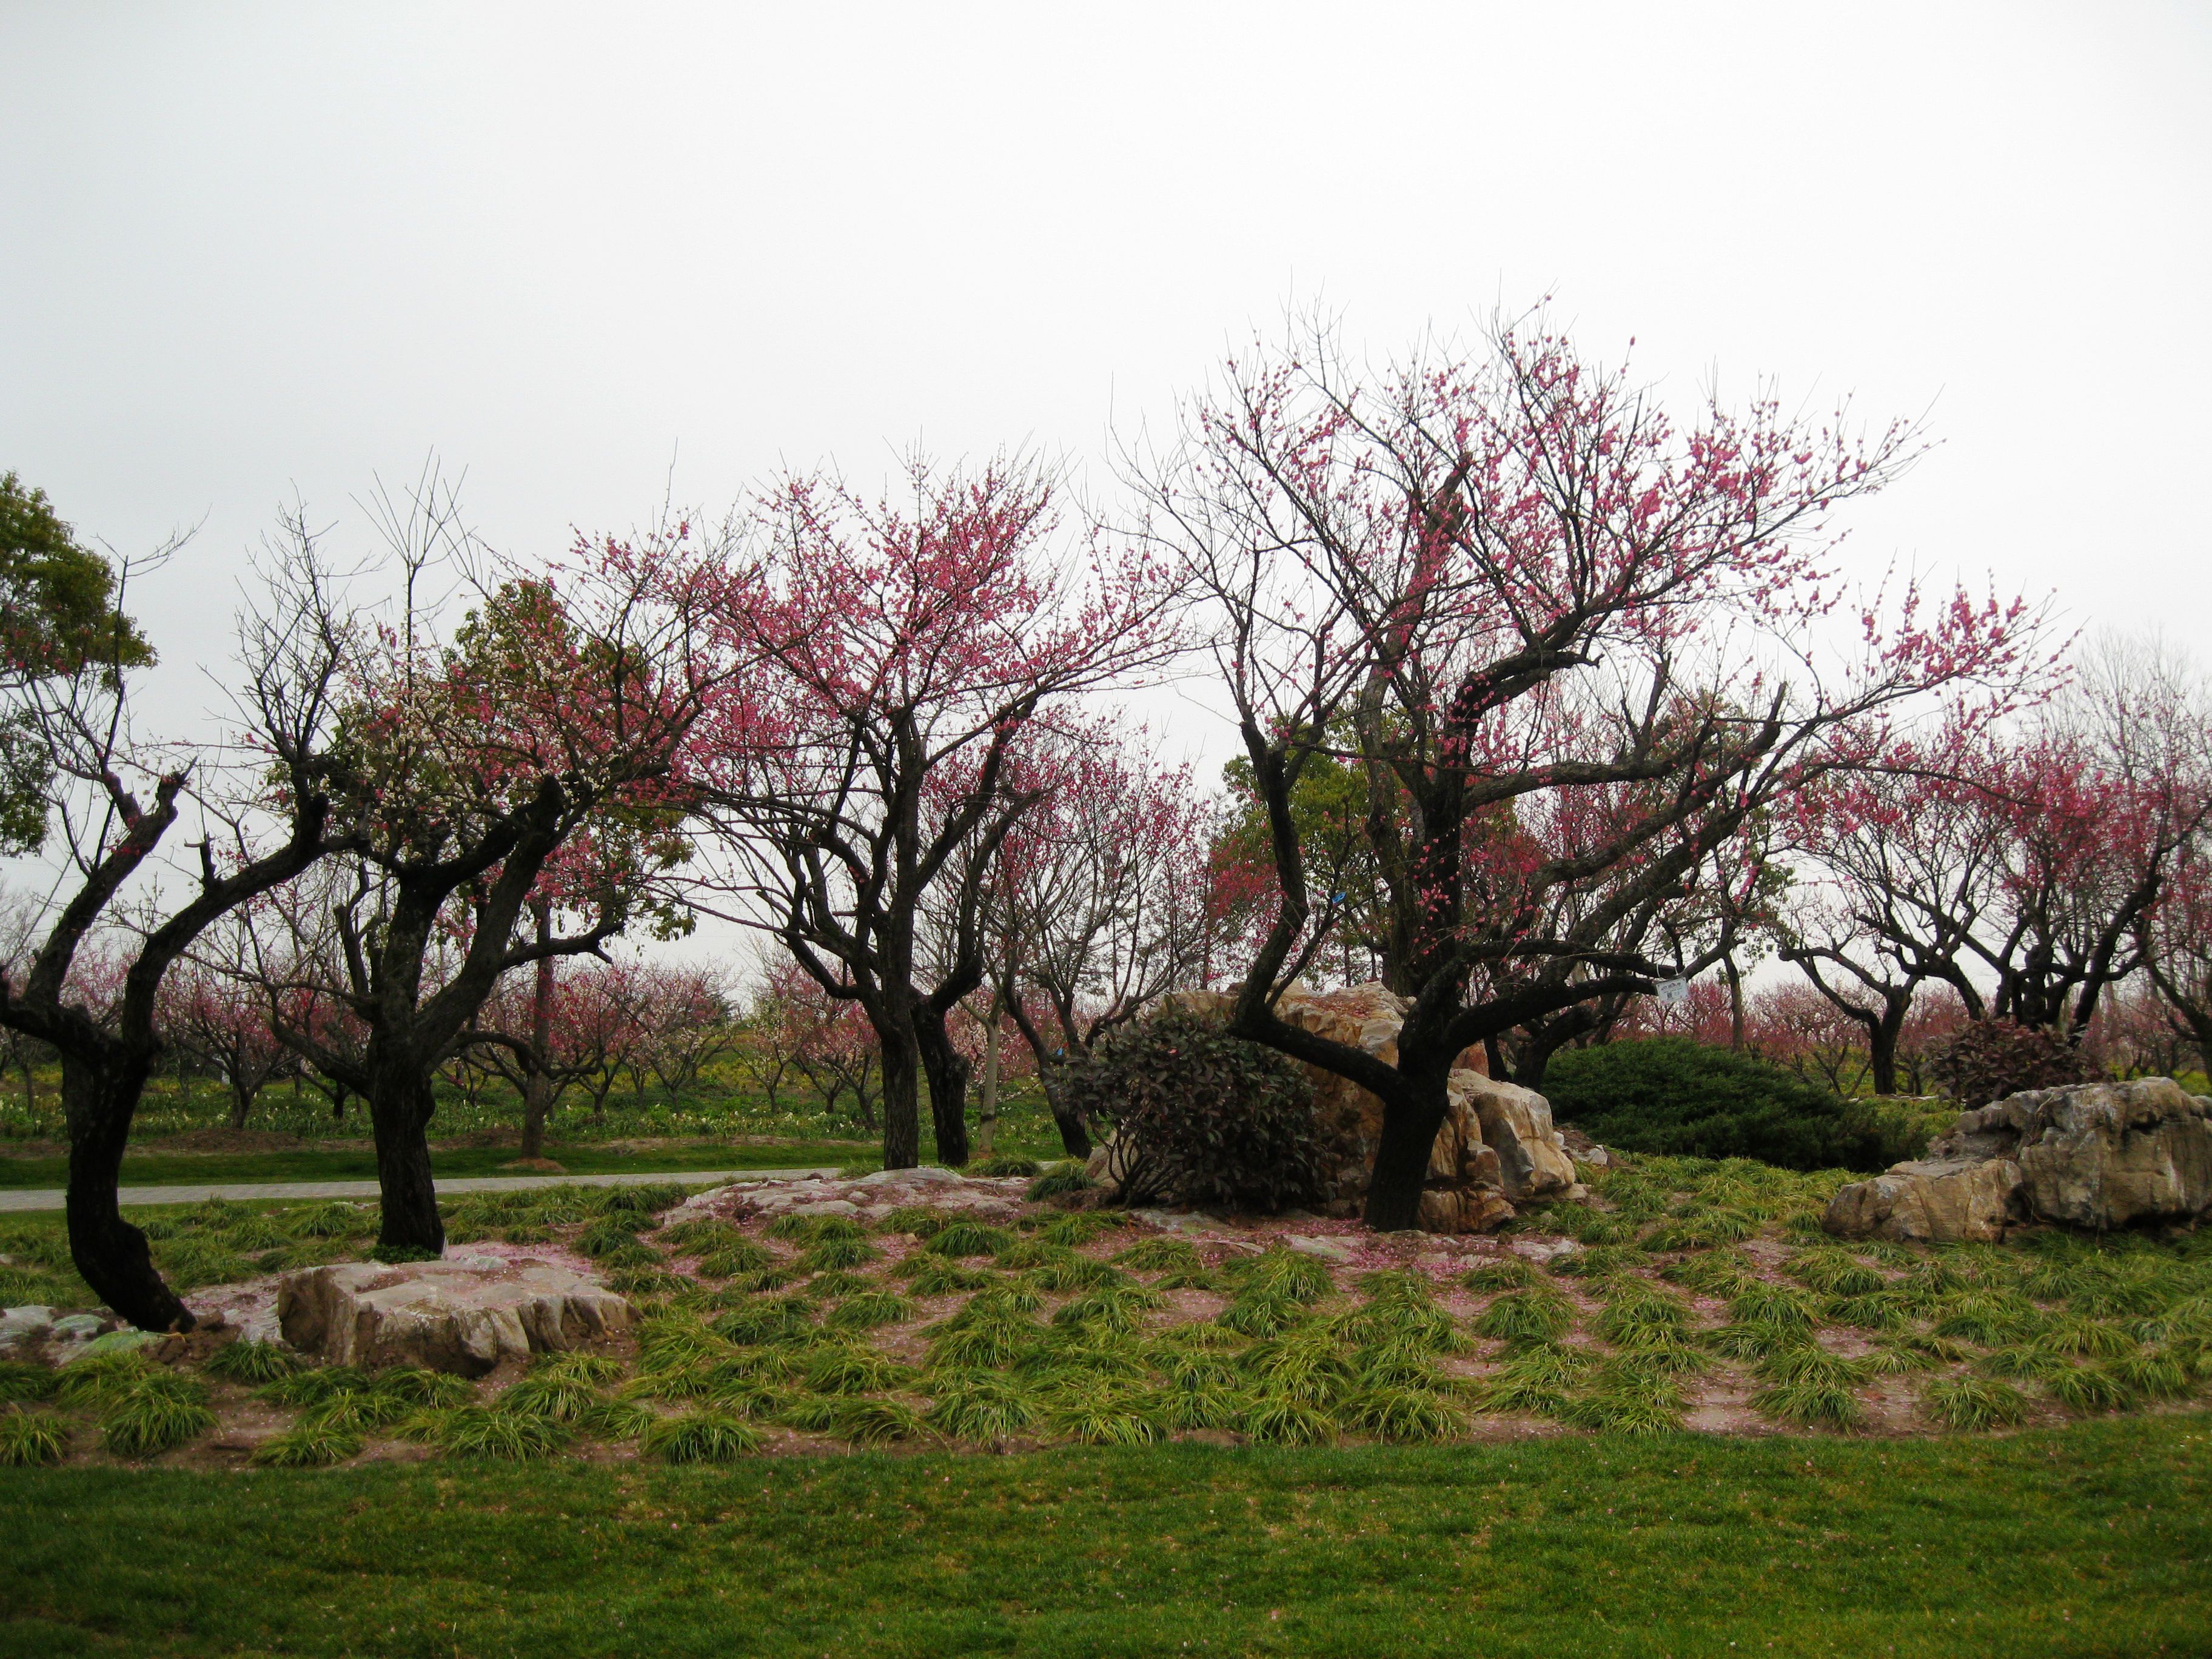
(1673, 993)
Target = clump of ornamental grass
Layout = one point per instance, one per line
(1701, 1231)
(357, 1412)
(969, 1239)
(1834, 1273)
(1505, 1272)
(2075, 1337)
(1117, 1308)
(1623, 1400)
(1812, 1403)
(1084, 1351)
(1718, 1272)
(979, 1406)
(1973, 1403)
(1284, 1273)
(854, 1418)
(416, 1386)
(313, 1387)
(868, 1309)
(706, 1234)
(674, 1342)
(101, 1378)
(1199, 1402)
(1896, 1360)
(982, 1344)
(488, 1432)
(1106, 1411)
(1944, 1350)
(745, 1255)
(1028, 1252)
(567, 1388)
(2090, 1387)
(1880, 1310)
(1397, 1413)
(1539, 1379)
(29, 1439)
(813, 1229)
(833, 1255)
(705, 1435)
(1599, 1261)
(2153, 1375)
(786, 1319)
(309, 1445)
(1008, 1298)
(1988, 1318)
(838, 1283)
(1635, 1315)
(1304, 1364)
(643, 1200)
(20, 1379)
(1060, 1181)
(332, 1220)
(252, 1362)
(606, 1237)
(1537, 1315)
(1159, 1255)
(837, 1368)
(154, 1414)
(1812, 1363)
(934, 1275)
(1080, 1226)
(1286, 1420)
(192, 1261)
(1260, 1313)
(1761, 1303)
(1071, 1271)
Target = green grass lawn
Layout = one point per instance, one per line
(2091, 1539)
(154, 1168)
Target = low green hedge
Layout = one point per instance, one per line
(1684, 1098)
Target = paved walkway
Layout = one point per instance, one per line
(50, 1198)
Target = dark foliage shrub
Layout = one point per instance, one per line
(1990, 1059)
(1682, 1097)
(1203, 1118)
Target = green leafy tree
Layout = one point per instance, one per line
(58, 616)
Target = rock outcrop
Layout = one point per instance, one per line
(1497, 1146)
(2095, 1154)
(464, 1315)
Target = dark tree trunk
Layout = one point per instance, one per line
(111, 1253)
(1402, 1158)
(1882, 1047)
(537, 1081)
(400, 1104)
(948, 1071)
(241, 1102)
(902, 1101)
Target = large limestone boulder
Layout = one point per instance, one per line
(1497, 1144)
(2093, 1155)
(1935, 1198)
(464, 1315)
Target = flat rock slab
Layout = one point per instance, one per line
(463, 1314)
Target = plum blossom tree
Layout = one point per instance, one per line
(912, 650)
(1577, 643)
(1104, 897)
(563, 710)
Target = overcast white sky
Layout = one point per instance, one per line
(254, 249)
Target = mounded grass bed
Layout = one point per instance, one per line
(2091, 1540)
(1700, 1298)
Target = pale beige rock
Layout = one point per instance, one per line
(2105, 1155)
(1462, 1210)
(1936, 1199)
(1517, 1126)
(2093, 1155)
(463, 1314)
